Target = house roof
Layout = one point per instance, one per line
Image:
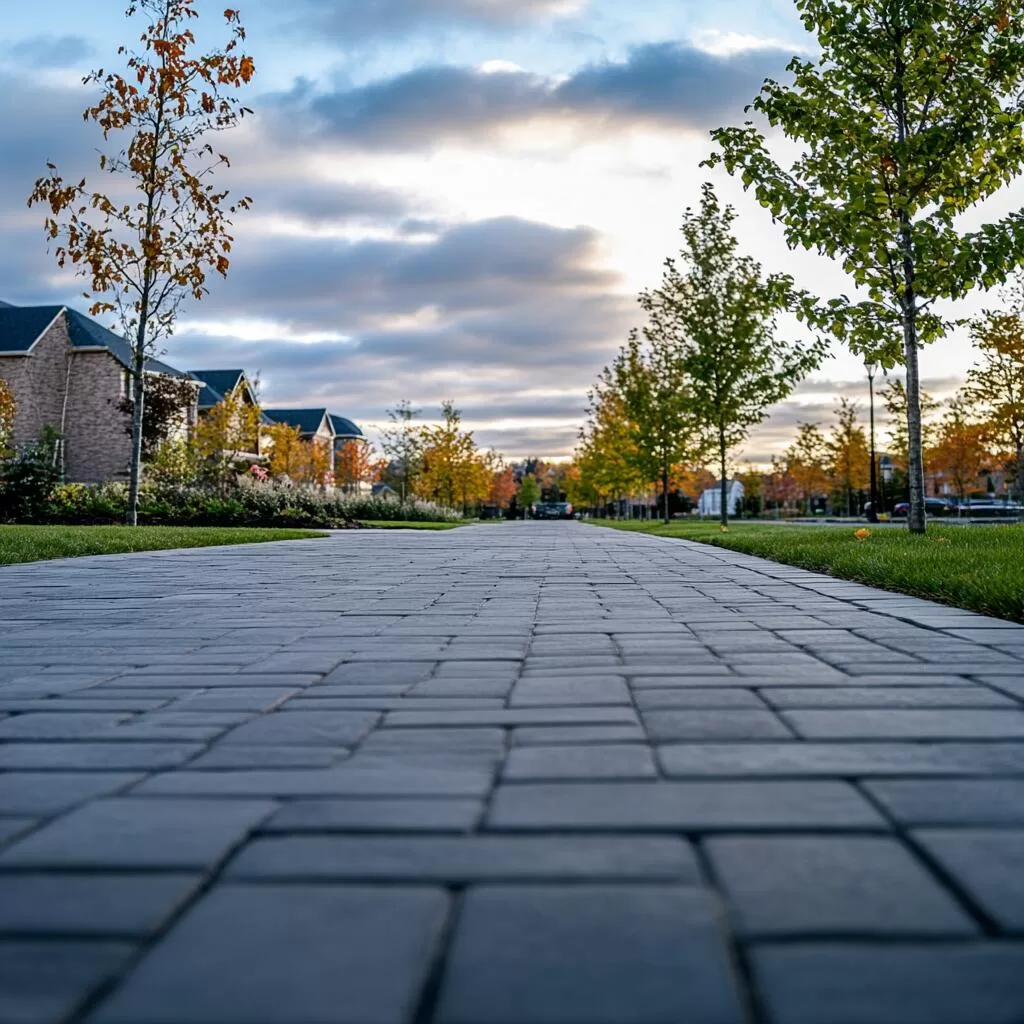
(22, 326)
(219, 384)
(307, 420)
(343, 427)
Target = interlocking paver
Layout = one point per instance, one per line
(525, 773)
(282, 954)
(849, 885)
(527, 955)
(892, 984)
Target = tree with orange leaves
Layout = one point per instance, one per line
(354, 465)
(145, 257)
(8, 409)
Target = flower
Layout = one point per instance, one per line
(725, 529)
(862, 534)
(943, 540)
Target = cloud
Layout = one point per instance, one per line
(49, 51)
(359, 20)
(670, 85)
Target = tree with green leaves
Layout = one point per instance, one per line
(529, 493)
(716, 309)
(908, 118)
(650, 378)
(402, 443)
(807, 463)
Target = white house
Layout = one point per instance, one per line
(710, 503)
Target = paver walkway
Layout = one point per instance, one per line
(515, 774)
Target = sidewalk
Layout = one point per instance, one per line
(527, 773)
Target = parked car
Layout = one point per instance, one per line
(932, 507)
(991, 510)
(552, 510)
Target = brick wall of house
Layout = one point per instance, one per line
(98, 446)
(37, 381)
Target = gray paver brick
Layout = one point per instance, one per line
(895, 723)
(832, 885)
(988, 864)
(283, 954)
(951, 801)
(714, 724)
(689, 806)
(612, 715)
(114, 905)
(46, 981)
(323, 728)
(616, 761)
(892, 984)
(529, 735)
(395, 815)
(130, 832)
(807, 759)
(466, 858)
(45, 793)
(588, 955)
(887, 697)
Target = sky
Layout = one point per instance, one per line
(454, 199)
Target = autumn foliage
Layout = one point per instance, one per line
(150, 239)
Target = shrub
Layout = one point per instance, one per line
(251, 503)
(27, 480)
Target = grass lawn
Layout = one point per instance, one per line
(385, 524)
(975, 567)
(35, 543)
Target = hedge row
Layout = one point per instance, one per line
(253, 505)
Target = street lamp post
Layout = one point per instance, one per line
(871, 366)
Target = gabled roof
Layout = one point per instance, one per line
(307, 420)
(5, 305)
(219, 384)
(344, 428)
(22, 326)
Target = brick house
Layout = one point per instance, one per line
(70, 373)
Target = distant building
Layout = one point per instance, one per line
(710, 503)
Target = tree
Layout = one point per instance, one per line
(503, 487)
(606, 453)
(452, 471)
(996, 383)
(959, 452)
(165, 411)
(144, 258)
(529, 493)
(8, 410)
(403, 444)
(894, 397)
(353, 465)
(651, 381)
(807, 463)
(909, 118)
(722, 313)
(230, 429)
(851, 458)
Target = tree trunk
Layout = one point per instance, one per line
(664, 492)
(915, 454)
(1020, 473)
(138, 401)
(725, 483)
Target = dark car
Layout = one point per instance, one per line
(932, 507)
(552, 510)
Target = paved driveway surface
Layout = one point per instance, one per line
(515, 774)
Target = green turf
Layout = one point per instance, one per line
(976, 567)
(35, 543)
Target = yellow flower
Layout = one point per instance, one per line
(943, 540)
(725, 529)
(862, 534)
